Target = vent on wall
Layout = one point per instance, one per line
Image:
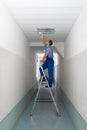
(46, 30)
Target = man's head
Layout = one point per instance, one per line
(49, 43)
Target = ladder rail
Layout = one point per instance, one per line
(36, 97)
(52, 96)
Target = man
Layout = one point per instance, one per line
(48, 62)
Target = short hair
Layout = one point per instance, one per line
(51, 42)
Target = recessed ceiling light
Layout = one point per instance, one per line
(46, 30)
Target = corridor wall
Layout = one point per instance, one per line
(17, 73)
(74, 68)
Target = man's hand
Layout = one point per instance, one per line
(41, 60)
(41, 35)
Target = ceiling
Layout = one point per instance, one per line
(33, 14)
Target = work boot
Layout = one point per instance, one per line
(46, 86)
(49, 86)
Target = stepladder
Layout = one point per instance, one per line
(36, 100)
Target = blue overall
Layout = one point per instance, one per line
(48, 64)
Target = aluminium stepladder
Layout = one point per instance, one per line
(51, 94)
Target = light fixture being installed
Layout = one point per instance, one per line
(46, 30)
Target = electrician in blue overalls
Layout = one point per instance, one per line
(48, 62)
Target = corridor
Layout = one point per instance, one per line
(34, 33)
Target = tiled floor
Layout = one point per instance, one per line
(44, 116)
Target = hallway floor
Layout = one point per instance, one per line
(44, 116)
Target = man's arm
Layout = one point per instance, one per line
(44, 41)
(44, 58)
(45, 55)
(43, 38)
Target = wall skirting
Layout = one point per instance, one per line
(9, 121)
(75, 116)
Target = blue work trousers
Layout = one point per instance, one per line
(48, 64)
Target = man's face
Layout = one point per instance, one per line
(47, 43)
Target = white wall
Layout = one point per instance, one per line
(16, 64)
(11, 36)
(60, 48)
(74, 66)
(76, 41)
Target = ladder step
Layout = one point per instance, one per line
(44, 98)
(44, 101)
(44, 82)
